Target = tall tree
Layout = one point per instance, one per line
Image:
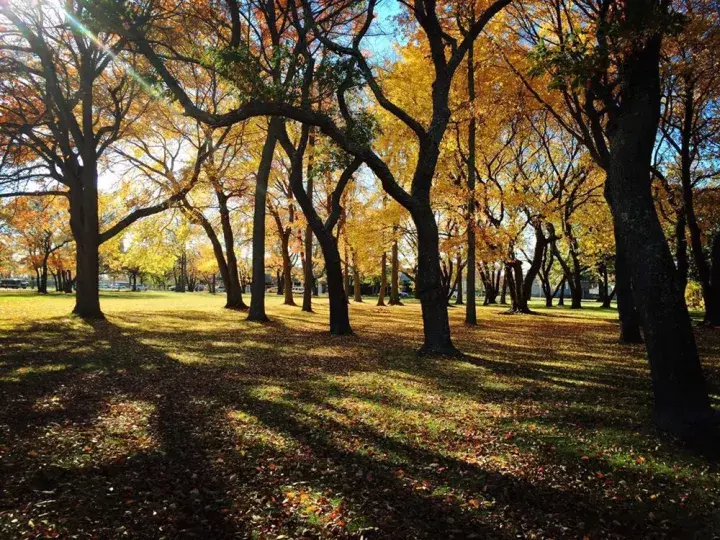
(315, 21)
(616, 112)
(67, 96)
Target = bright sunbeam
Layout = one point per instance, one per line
(107, 50)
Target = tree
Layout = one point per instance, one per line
(614, 102)
(67, 96)
(309, 26)
(691, 135)
(40, 230)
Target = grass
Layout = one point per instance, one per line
(175, 418)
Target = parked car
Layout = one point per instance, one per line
(403, 294)
(12, 283)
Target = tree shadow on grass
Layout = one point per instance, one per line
(226, 449)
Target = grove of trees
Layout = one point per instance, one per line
(466, 149)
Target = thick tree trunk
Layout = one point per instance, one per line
(280, 281)
(84, 226)
(395, 276)
(627, 312)
(436, 323)
(712, 312)
(68, 282)
(383, 280)
(339, 315)
(548, 300)
(257, 288)
(681, 399)
(42, 286)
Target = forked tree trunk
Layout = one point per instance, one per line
(339, 315)
(233, 287)
(702, 267)
(681, 399)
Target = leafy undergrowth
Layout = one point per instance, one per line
(175, 418)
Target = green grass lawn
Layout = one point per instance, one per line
(175, 419)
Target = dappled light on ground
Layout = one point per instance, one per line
(176, 418)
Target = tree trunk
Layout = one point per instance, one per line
(607, 297)
(339, 315)
(681, 254)
(627, 312)
(712, 312)
(84, 226)
(287, 270)
(233, 287)
(459, 299)
(503, 293)
(395, 276)
(280, 280)
(576, 290)
(470, 307)
(68, 282)
(383, 280)
(356, 279)
(701, 263)
(42, 288)
(436, 323)
(308, 277)
(681, 399)
(561, 299)
(257, 288)
(347, 276)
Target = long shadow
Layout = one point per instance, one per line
(194, 475)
